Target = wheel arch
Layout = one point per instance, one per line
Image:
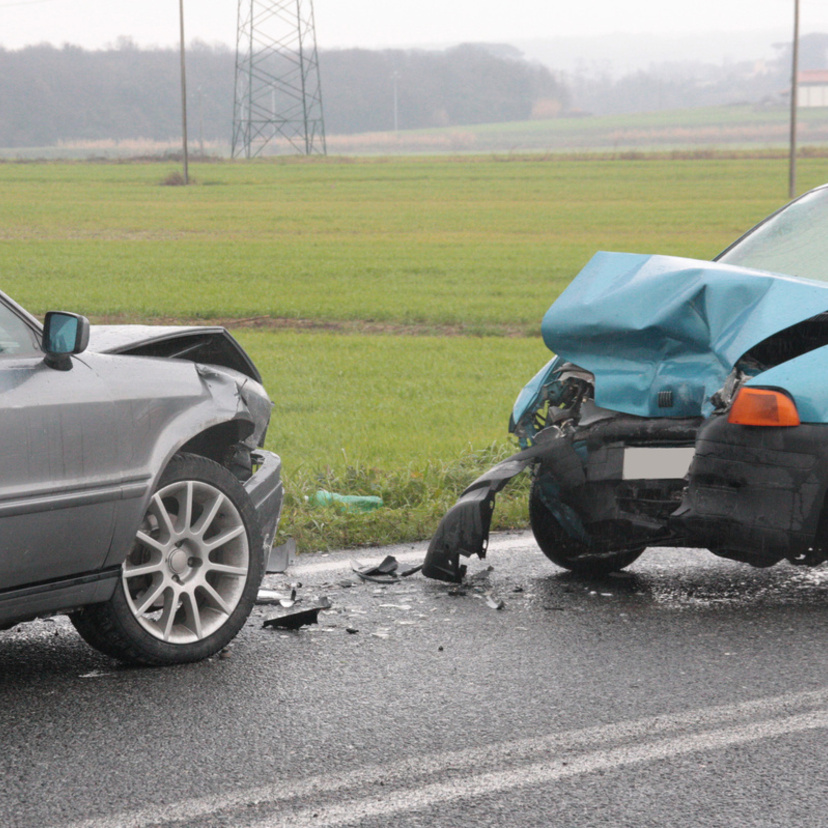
(195, 431)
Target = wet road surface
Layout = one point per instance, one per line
(686, 691)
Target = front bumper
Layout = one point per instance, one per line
(464, 529)
(756, 494)
(267, 493)
(582, 471)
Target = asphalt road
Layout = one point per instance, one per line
(687, 691)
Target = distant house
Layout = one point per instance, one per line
(813, 88)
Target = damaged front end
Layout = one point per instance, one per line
(599, 491)
(648, 348)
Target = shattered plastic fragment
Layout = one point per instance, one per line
(293, 619)
(386, 572)
(495, 603)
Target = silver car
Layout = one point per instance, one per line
(134, 493)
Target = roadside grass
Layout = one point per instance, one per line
(480, 245)
(415, 497)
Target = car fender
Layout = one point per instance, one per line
(186, 399)
(798, 377)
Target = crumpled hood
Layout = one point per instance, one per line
(207, 344)
(113, 339)
(645, 324)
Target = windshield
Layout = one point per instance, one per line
(793, 241)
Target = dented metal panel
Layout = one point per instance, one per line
(212, 345)
(647, 324)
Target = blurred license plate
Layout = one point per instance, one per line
(656, 463)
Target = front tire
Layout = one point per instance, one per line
(568, 553)
(191, 578)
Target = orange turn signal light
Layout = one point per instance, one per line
(762, 407)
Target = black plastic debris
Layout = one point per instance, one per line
(388, 571)
(292, 618)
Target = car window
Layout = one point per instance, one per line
(16, 337)
(793, 241)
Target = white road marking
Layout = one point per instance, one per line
(420, 782)
(354, 811)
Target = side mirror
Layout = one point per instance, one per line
(64, 334)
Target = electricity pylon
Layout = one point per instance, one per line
(278, 97)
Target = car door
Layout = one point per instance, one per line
(58, 461)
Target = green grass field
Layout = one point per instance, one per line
(423, 281)
(472, 242)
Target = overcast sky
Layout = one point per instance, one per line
(380, 23)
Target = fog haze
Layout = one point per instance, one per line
(722, 30)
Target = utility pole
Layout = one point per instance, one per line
(183, 95)
(794, 101)
(395, 77)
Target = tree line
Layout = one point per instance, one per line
(50, 95)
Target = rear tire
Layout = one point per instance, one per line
(191, 578)
(568, 553)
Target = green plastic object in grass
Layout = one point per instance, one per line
(351, 503)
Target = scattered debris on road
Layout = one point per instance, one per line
(376, 613)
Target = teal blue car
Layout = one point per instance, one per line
(685, 405)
